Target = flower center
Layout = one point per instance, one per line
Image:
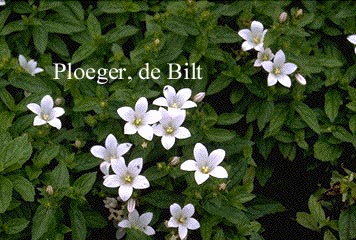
(205, 169)
(169, 130)
(138, 121)
(182, 219)
(277, 71)
(174, 105)
(45, 117)
(128, 179)
(256, 40)
(265, 57)
(113, 157)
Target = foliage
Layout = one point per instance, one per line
(50, 184)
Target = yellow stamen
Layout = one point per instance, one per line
(256, 40)
(45, 117)
(174, 105)
(265, 57)
(169, 130)
(128, 179)
(182, 219)
(138, 121)
(205, 169)
(276, 71)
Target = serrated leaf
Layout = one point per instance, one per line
(6, 120)
(220, 83)
(5, 193)
(347, 223)
(83, 52)
(42, 220)
(162, 198)
(46, 155)
(315, 209)
(333, 101)
(24, 187)
(46, 5)
(120, 32)
(308, 115)
(79, 228)
(93, 26)
(15, 225)
(85, 182)
(326, 152)
(265, 114)
(223, 34)
(307, 221)
(264, 207)
(77, 8)
(40, 38)
(181, 26)
(229, 118)
(352, 124)
(277, 120)
(59, 177)
(62, 27)
(329, 236)
(11, 27)
(219, 134)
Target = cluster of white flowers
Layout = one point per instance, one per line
(276, 66)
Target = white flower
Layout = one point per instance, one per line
(138, 120)
(126, 178)
(138, 222)
(262, 56)
(120, 233)
(205, 165)
(279, 70)
(131, 204)
(169, 127)
(300, 79)
(29, 66)
(177, 100)
(2, 2)
(352, 39)
(182, 219)
(46, 113)
(112, 150)
(254, 37)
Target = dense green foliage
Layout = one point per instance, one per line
(50, 184)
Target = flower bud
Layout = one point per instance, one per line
(174, 161)
(110, 202)
(299, 77)
(77, 143)
(156, 42)
(131, 204)
(283, 17)
(103, 104)
(144, 145)
(49, 190)
(199, 97)
(222, 186)
(299, 13)
(27, 93)
(58, 101)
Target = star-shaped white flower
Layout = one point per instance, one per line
(46, 113)
(262, 56)
(352, 39)
(278, 70)
(182, 219)
(205, 165)
(169, 127)
(177, 100)
(254, 37)
(29, 66)
(112, 150)
(138, 120)
(126, 177)
(138, 222)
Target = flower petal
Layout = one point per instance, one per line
(352, 39)
(279, 58)
(246, 45)
(289, 68)
(267, 66)
(168, 141)
(161, 101)
(271, 79)
(55, 122)
(123, 148)
(182, 133)
(141, 105)
(104, 167)
(126, 113)
(140, 182)
(200, 152)
(130, 128)
(135, 166)
(146, 131)
(149, 231)
(285, 81)
(172, 222)
(188, 210)
(22, 61)
(124, 224)
(184, 94)
(152, 116)
(200, 177)
(178, 116)
(182, 231)
(175, 210)
(158, 130)
(38, 121)
(216, 157)
(192, 224)
(111, 181)
(256, 27)
(125, 192)
(57, 112)
(246, 34)
(169, 92)
(189, 165)
(37, 70)
(146, 218)
(189, 104)
(46, 104)
(219, 172)
(34, 107)
(99, 152)
(119, 166)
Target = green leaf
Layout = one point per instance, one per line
(93, 26)
(219, 235)
(40, 38)
(94, 219)
(7, 98)
(6, 120)
(42, 220)
(352, 124)
(11, 27)
(307, 221)
(265, 114)
(111, 7)
(333, 101)
(219, 134)
(220, 83)
(223, 34)
(59, 177)
(206, 226)
(15, 153)
(5, 193)
(83, 52)
(85, 182)
(15, 225)
(85, 104)
(121, 32)
(326, 152)
(24, 187)
(46, 155)
(76, 8)
(79, 228)
(4, 14)
(162, 198)
(315, 209)
(308, 115)
(329, 236)
(229, 118)
(347, 223)
(263, 207)
(30, 84)
(57, 45)
(135, 234)
(62, 27)
(46, 5)
(181, 26)
(154, 173)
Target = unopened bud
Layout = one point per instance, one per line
(199, 97)
(144, 145)
(26, 93)
(161, 165)
(156, 42)
(299, 77)
(49, 190)
(103, 104)
(174, 161)
(58, 101)
(110, 202)
(283, 17)
(131, 204)
(299, 13)
(77, 143)
(222, 186)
